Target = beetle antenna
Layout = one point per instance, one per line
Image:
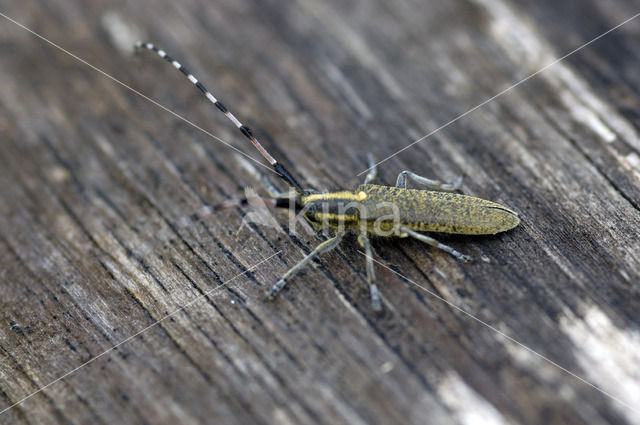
(279, 168)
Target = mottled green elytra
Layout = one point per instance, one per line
(373, 210)
(419, 210)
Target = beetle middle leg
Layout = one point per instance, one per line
(364, 242)
(325, 246)
(431, 184)
(429, 240)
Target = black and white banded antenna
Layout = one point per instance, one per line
(279, 168)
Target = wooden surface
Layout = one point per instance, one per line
(106, 223)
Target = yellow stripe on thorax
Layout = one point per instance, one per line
(345, 195)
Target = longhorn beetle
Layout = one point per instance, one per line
(373, 210)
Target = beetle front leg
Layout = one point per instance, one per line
(373, 169)
(364, 242)
(325, 246)
(431, 184)
(273, 191)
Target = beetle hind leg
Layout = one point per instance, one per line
(364, 242)
(404, 176)
(325, 246)
(430, 241)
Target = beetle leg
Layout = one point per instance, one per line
(364, 242)
(373, 169)
(276, 193)
(325, 246)
(431, 184)
(273, 191)
(429, 240)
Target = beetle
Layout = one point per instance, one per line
(372, 209)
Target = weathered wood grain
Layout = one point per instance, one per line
(107, 225)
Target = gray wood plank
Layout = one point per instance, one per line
(108, 225)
